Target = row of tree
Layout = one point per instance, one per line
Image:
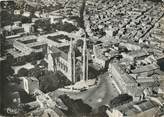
(49, 81)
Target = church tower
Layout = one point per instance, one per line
(71, 59)
(85, 60)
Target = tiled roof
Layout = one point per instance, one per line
(58, 51)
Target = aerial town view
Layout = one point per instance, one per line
(82, 58)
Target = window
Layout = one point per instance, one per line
(66, 69)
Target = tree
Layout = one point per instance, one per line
(47, 83)
(75, 107)
(34, 62)
(23, 72)
(43, 24)
(9, 59)
(43, 63)
(5, 70)
(32, 56)
(36, 72)
(25, 19)
(64, 27)
(120, 99)
(52, 81)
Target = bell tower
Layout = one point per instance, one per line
(85, 60)
(71, 59)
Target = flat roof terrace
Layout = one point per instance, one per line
(59, 38)
(26, 38)
(124, 76)
(16, 53)
(35, 44)
(146, 68)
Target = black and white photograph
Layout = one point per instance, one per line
(81, 58)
